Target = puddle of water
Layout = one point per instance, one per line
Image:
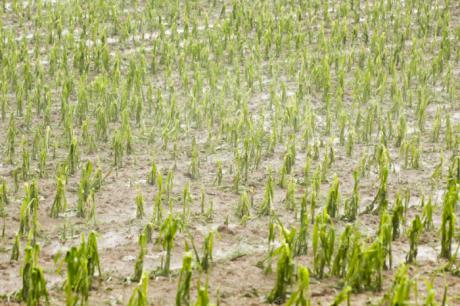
(129, 258)
(111, 240)
(427, 253)
(56, 247)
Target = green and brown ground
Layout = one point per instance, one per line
(249, 82)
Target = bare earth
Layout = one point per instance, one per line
(235, 277)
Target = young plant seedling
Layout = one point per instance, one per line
(267, 201)
(140, 213)
(284, 274)
(33, 278)
(60, 201)
(323, 243)
(139, 266)
(139, 295)
(205, 260)
(183, 286)
(301, 295)
(168, 232)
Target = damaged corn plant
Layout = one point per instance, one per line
(270, 149)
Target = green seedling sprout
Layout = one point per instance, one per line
(85, 190)
(316, 180)
(140, 213)
(313, 201)
(343, 296)
(333, 197)
(98, 179)
(11, 139)
(219, 174)
(324, 168)
(186, 203)
(24, 217)
(381, 198)
(82, 263)
(42, 162)
(437, 174)
(289, 160)
(339, 265)
(350, 143)
(202, 200)
(267, 201)
(195, 163)
(168, 232)
(289, 200)
(306, 171)
(139, 295)
(29, 210)
(352, 203)
(385, 234)
(148, 232)
(436, 126)
(301, 243)
(3, 202)
(33, 278)
(449, 135)
(16, 249)
(117, 147)
(153, 174)
(448, 222)
(301, 295)
(60, 202)
(427, 214)
(202, 295)
(323, 243)
(236, 181)
(401, 288)
(169, 183)
(157, 216)
(284, 274)
(243, 208)
(205, 260)
(4, 199)
(139, 266)
(183, 286)
(282, 179)
(73, 157)
(101, 123)
(430, 299)
(397, 217)
(365, 266)
(25, 160)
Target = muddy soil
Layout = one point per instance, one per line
(235, 277)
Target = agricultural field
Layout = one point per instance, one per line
(229, 152)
